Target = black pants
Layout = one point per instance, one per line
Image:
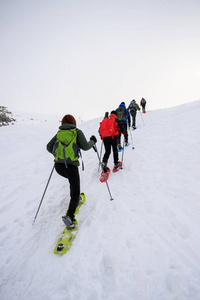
(109, 143)
(72, 174)
(133, 114)
(124, 124)
(143, 107)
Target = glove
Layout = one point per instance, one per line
(93, 138)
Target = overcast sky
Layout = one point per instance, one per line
(84, 57)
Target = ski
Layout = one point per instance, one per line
(67, 236)
(104, 175)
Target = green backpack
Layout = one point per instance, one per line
(65, 148)
(121, 113)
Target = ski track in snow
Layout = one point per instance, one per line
(143, 245)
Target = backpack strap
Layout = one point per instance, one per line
(65, 160)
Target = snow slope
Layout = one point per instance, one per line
(143, 245)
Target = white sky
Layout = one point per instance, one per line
(85, 57)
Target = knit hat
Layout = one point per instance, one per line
(69, 119)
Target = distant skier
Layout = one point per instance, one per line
(143, 103)
(65, 146)
(109, 131)
(133, 108)
(124, 119)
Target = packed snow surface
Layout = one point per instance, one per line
(143, 245)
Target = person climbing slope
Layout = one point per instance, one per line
(65, 147)
(109, 131)
(133, 108)
(124, 119)
(143, 103)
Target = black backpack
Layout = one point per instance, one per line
(133, 105)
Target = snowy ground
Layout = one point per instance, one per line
(143, 245)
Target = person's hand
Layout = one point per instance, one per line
(93, 138)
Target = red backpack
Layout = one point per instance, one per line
(108, 127)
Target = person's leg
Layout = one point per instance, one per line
(61, 170)
(119, 139)
(115, 150)
(133, 114)
(107, 145)
(126, 134)
(142, 107)
(74, 182)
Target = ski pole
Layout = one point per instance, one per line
(142, 118)
(100, 155)
(95, 149)
(131, 138)
(123, 153)
(43, 195)
(105, 117)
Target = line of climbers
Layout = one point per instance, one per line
(66, 145)
(116, 124)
